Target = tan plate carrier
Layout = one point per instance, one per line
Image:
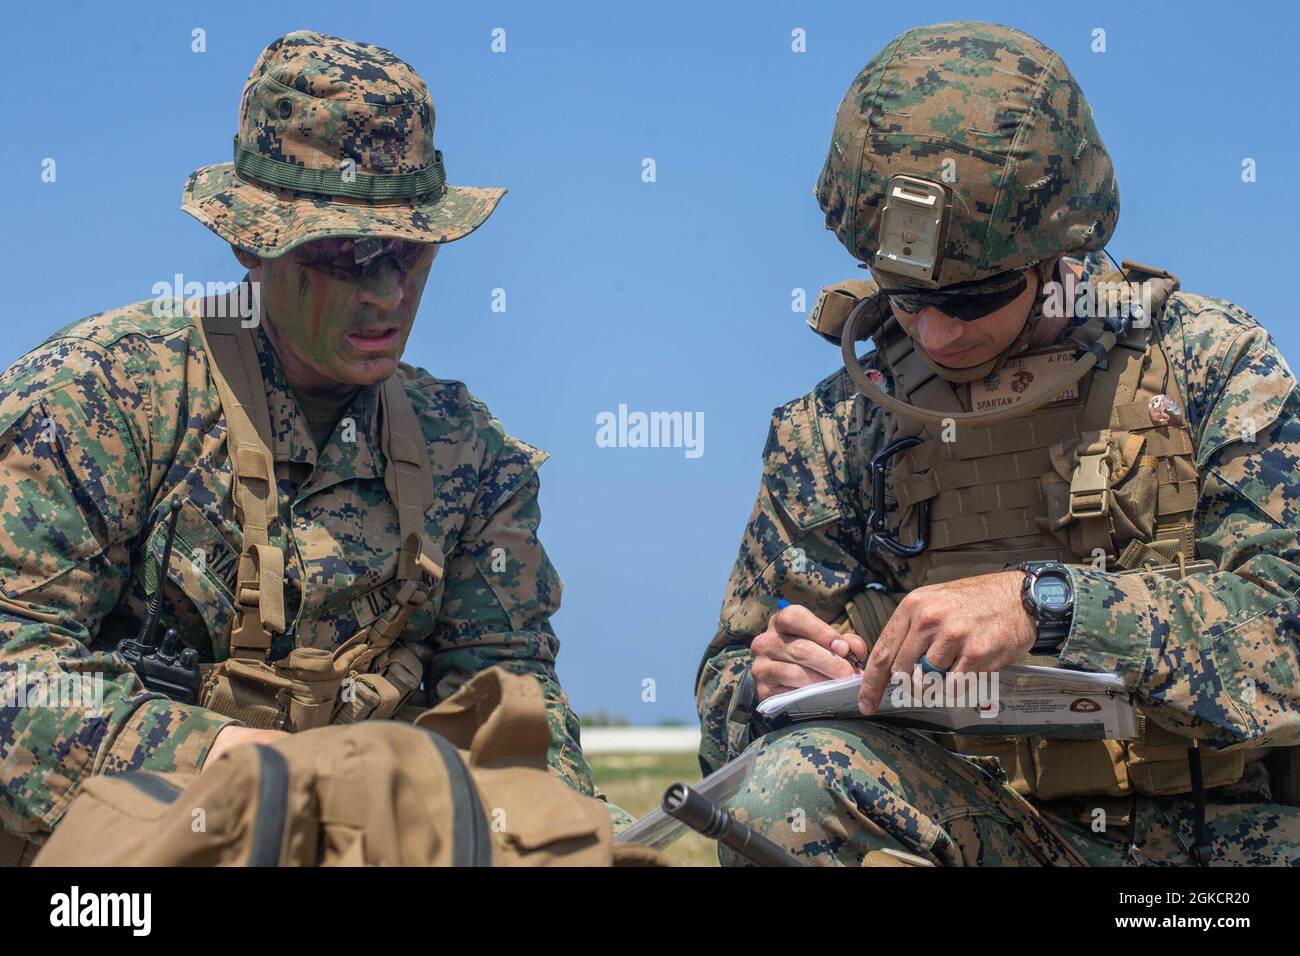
(1048, 479)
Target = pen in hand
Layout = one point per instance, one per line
(848, 654)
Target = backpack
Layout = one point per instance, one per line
(466, 785)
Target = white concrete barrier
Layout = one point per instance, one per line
(644, 740)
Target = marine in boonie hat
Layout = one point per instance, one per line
(335, 139)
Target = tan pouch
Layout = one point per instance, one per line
(381, 694)
(1103, 474)
(1065, 768)
(1157, 762)
(1014, 755)
(295, 694)
(831, 310)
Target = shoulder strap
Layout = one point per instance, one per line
(1152, 286)
(259, 581)
(408, 475)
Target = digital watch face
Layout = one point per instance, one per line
(1052, 592)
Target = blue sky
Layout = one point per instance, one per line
(673, 295)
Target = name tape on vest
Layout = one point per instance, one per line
(1015, 378)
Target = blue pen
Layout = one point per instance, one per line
(850, 656)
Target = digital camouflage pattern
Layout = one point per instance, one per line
(318, 102)
(835, 791)
(996, 116)
(839, 789)
(108, 419)
(1217, 654)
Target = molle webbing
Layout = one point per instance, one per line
(1098, 473)
(1059, 473)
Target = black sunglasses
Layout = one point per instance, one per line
(967, 301)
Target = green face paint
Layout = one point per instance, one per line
(332, 334)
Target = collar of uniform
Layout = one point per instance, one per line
(291, 439)
(352, 451)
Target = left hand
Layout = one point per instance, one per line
(972, 624)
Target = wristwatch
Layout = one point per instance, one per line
(1048, 596)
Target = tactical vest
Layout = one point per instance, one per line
(370, 675)
(1106, 470)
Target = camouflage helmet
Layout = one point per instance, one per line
(335, 139)
(963, 151)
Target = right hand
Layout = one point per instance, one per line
(233, 736)
(799, 648)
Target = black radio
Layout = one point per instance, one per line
(165, 667)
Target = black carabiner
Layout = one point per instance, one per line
(876, 519)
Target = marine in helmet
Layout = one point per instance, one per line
(1040, 458)
(354, 538)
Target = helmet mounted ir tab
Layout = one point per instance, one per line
(914, 225)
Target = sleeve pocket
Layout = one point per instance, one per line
(203, 565)
(795, 471)
(44, 529)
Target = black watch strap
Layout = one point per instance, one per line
(1050, 640)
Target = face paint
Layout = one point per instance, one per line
(334, 334)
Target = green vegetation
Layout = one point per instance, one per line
(601, 718)
(636, 782)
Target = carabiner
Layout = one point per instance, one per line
(876, 519)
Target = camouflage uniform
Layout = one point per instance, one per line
(112, 416)
(835, 791)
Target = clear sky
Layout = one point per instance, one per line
(672, 295)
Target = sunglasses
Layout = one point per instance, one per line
(967, 301)
(352, 259)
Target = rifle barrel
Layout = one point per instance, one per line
(704, 816)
